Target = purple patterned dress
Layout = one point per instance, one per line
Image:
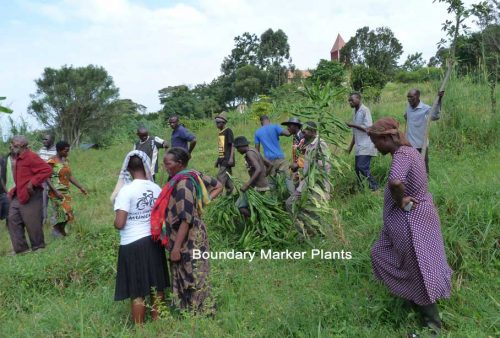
(409, 256)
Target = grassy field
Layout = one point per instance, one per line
(67, 289)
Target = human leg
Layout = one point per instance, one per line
(16, 227)
(226, 181)
(138, 310)
(32, 215)
(362, 168)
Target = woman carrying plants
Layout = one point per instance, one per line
(409, 256)
(176, 221)
(59, 184)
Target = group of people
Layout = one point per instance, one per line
(408, 257)
(28, 181)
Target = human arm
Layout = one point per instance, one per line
(213, 186)
(78, 185)
(54, 190)
(120, 219)
(192, 144)
(230, 140)
(436, 114)
(351, 145)
(397, 189)
(252, 162)
(175, 254)
(285, 132)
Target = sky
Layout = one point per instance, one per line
(151, 44)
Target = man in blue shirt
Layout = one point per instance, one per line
(268, 135)
(416, 118)
(181, 136)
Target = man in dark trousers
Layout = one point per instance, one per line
(151, 146)
(26, 208)
(225, 160)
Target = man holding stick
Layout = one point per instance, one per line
(416, 116)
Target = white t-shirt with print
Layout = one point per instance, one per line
(136, 198)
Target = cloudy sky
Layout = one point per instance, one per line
(146, 45)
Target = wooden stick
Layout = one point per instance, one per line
(435, 107)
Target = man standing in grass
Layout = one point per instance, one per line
(294, 128)
(26, 206)
(181, 136)
(416, 121)
(151, 146)
(268, 135)
(225, 160)
(364, 148)
(46, 152)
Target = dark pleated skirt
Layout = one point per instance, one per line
(142, 265)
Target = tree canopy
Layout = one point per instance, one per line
(74, 101)
(378, 49)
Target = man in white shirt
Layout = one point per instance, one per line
(364, 148)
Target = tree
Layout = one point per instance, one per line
(245, 52)
(274, 50)
(368, 81)
(249, 83)
(74, 100)
(413, 62)
(268, 54)
(179, 100)
(377, 49)
(329, 71)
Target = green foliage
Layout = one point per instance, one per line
(378, 49)
(254, 66)
(368, 81)
(329, 71)
(75, 101)
(67, 289)
(421, 75)
(3, 109)
(413, 62)
(248, 83)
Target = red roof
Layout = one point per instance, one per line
(339, 43)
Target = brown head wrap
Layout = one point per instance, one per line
(388, 126)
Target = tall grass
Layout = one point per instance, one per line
(67, 289)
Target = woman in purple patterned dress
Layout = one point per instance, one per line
(409, 257)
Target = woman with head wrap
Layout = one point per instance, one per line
(142, 264)
(409, 256)
(176, 221)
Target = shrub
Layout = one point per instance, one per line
(420, 75)
(368, 81)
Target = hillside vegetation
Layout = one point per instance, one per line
(67, 289)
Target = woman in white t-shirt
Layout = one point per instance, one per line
(142, 264)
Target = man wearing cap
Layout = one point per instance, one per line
(294, 128)
(365, 150)
(268, 135)
(225, 160)
(258, 168)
